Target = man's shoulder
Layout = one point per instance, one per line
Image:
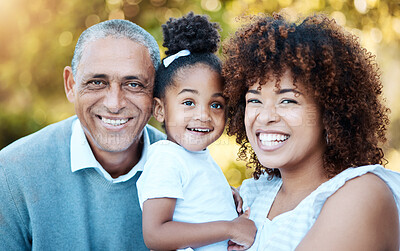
(46, 138)
(154, 134)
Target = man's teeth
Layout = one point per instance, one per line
(114, 122)
(199, 130)
(269, 139)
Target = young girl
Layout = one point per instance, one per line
(185, 197)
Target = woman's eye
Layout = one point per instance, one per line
(216, 106)
(188, 103)
(289, 101)
(254, 101)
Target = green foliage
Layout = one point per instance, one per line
(37, 40)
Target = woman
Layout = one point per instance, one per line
(304, 102)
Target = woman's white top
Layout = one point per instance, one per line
(286, 230)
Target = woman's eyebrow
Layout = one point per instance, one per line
(254, 92)
(281, 91)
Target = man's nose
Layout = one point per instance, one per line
(114, 100)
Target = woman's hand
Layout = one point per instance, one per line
(243, 232)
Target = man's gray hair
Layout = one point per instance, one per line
(116, 28)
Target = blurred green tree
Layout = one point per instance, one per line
(37, 40)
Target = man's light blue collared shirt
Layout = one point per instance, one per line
(82, 156)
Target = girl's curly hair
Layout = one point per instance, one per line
(191, 32)
(329, 62)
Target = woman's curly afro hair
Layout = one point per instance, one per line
(330, 64)
(191, 32)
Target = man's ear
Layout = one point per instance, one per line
(69, 84)
(158, 110)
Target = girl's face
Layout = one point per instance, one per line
(193, 109)
(284, 125)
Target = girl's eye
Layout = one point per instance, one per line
(289, 101)
(216, 106)
(254, 101)
(188, 103)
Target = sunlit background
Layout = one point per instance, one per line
(37, 39)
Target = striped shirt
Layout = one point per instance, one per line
(285, 231)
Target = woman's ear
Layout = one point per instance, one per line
(158, 110)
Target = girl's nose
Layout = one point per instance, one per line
(202, 114)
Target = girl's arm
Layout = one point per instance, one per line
(362, 215)
(161, 233)
(238, 199)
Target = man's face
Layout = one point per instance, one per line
(112, 92)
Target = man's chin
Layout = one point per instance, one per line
(114, 143)
(114, 148)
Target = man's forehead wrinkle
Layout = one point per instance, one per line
(98, 54)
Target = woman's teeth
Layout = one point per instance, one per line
(271, 139)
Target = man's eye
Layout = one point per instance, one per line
(216, 106)
(133, 84)
(188, 103)
(96, 82)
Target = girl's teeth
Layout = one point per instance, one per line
(199, 130)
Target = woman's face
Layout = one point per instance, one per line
(284, 125)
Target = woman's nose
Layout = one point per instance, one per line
(267, 114)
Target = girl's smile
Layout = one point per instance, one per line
(193, 109)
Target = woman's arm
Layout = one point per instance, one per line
(161, 233)
(362, 215)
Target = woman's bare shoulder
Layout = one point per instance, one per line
(361, 215)
(367, 186)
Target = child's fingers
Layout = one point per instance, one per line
(238, 200)
(247, 212)
(234, 246)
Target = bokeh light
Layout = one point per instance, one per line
(65, 38)
(37, 40)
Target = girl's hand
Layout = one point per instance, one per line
(238, 200)
(242, 233)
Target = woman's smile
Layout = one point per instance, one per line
(272, 140)
(283, 124)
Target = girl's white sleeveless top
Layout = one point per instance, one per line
(286, 231)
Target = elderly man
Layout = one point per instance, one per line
(72, 185)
